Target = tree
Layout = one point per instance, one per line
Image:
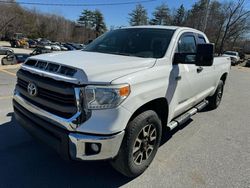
(138, 16)
(236, 15)
(215, 22)
(197, 15)
(92, 20)
(179, 16)
(204, 25)
(86, 19)
(161, 15)
(98, 23)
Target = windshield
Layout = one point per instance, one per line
(139, 42)
(231, 53)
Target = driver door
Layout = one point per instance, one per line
(188, 78)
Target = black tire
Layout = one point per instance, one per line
(125, 162)
(215, 100)
(2, 62)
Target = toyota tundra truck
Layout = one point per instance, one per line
(118, 97)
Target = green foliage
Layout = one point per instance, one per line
(138, 16)
(161, 15)
(196, 15)
(98, 23)
(86, 19)
(93, 20)
(179, 16)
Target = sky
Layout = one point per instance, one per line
(114, 15)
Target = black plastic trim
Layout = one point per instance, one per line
(44, 131)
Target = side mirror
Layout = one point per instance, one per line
(10, 58)
(205, 55)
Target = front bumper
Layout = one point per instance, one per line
(69, 144)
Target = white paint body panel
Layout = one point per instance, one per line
(149, 79)
(99, 67)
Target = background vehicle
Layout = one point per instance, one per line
(248, 63)
(235, 58)
(76, 46)
(242, 55)
(39, 51)
(69, 47)
(5, 50)
(116, 98)
(63, 48)
(32, 43)
(55, 47)
(43, 43)
(14, 58)
(19, 40)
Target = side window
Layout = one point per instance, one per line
(201, 40)
(187, 44)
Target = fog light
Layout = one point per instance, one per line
(92, 148)
(95, 147)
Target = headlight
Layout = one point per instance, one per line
(102, 97)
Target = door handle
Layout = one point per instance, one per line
(178, 78)
(199, 69)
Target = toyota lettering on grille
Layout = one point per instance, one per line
(32, 89)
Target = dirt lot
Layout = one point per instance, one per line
(211, 150)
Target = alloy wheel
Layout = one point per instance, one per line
(144, 144)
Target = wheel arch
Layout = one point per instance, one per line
(159, 105)
(224, 77)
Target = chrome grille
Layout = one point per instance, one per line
(53, 96)
(51, 67)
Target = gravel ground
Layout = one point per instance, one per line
(211, 150)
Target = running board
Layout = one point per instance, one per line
(186, 116)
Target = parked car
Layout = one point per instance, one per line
(234, 56)
(43, 43)
(69, 47)
(242, 55)
(39, 51)
(5, 50)
(14, 58)
(76, 45)
(113, 100)
(32, 43)
(55, 47)
(63, 48)
(248, 63)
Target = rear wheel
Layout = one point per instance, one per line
(140, 144)
(215, 100)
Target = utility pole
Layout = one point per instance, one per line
(206, 16)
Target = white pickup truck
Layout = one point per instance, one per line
(116, 99)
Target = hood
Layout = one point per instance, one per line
(99, 67)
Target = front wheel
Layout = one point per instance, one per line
(2, 62)
(215, 100)
(140, 144)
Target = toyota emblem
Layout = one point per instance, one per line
(32, 89)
